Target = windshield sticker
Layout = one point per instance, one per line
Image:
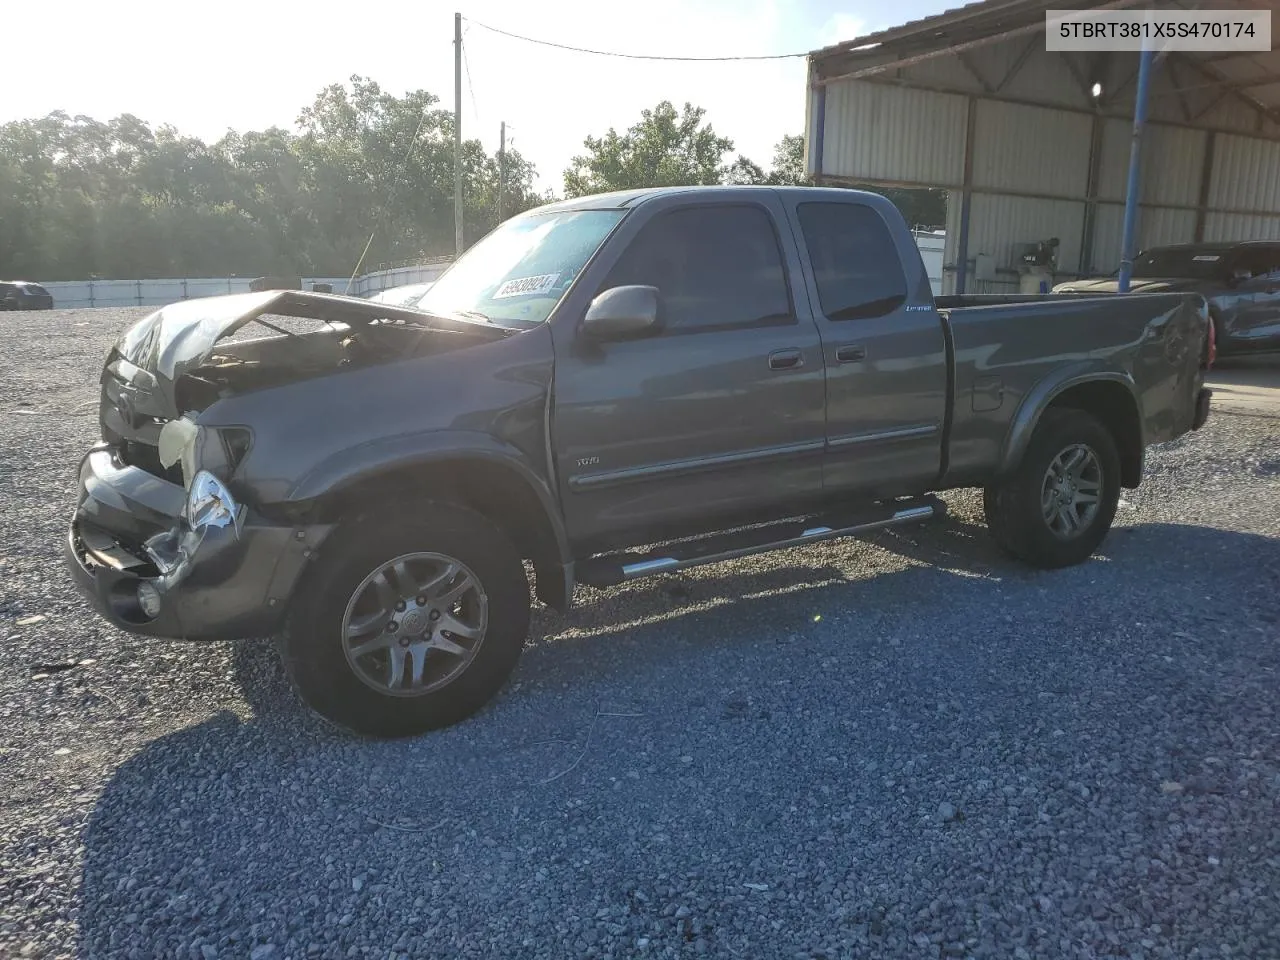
(525, 286)
(1206, 258)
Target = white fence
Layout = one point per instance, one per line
(397, 277)
(156, 293)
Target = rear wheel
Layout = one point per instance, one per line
(403, 627)
(1055, 509)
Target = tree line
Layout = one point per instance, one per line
(366, 172)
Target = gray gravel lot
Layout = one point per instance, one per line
(907, 747)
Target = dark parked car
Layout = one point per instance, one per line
(721, 371)
(24, 295)
(1241, 281)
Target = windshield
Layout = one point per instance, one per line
(1192, 263)
(519, 272)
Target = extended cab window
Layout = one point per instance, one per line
(855, 262)
(715, 268)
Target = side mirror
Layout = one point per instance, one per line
(622, 312)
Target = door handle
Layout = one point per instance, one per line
(786, 360)
(850, 353)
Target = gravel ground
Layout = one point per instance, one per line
(906, 747)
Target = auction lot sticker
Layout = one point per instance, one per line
(1208, 30)
(524, 286)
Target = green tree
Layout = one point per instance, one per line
(81, 197)
(788, 162)
(663, 149)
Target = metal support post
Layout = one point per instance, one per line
(1134, 189)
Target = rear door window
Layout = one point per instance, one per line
(855, 263)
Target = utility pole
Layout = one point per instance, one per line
(502, 165)
(457, 134)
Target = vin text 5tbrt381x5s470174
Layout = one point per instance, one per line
(714, 371)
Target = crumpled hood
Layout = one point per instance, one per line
(157, 350)
(181, 336)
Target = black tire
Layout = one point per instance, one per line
(1013, 505)
(312, 643)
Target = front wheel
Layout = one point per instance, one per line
(1055, 509)
(403, 627)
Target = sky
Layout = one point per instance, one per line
(249, 65)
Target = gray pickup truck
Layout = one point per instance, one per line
(606, 388)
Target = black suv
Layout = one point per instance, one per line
(22, 295)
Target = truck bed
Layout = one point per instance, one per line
(1010, 349)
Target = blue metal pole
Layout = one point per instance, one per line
(1134, 188)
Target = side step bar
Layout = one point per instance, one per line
(609, 570)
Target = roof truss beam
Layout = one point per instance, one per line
(1213, 73)
(1016, 67)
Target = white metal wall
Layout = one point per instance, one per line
(1172, 160)
(1233, 226)
(1030, 149)
(897, 133)
(1246, 175)
(1030, 168)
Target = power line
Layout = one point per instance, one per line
(466, 66)
(634, 56)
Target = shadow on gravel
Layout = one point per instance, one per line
(274, 830)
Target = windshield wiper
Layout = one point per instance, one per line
(474, 315)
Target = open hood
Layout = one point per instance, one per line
(181, 336)
(147, 362)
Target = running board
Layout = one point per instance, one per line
(609, 570)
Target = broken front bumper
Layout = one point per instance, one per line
(133, 555)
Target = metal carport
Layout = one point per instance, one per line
(1032, 144)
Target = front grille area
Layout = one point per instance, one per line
(134, 435)
(96, 547)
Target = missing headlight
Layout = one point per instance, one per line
(236, 442)
(196, 448)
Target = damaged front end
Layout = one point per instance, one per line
(162, 539)
(165, 560)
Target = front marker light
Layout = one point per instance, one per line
(209, 504)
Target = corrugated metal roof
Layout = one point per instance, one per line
(988, 20)
(1249, 78)
(987, 17)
